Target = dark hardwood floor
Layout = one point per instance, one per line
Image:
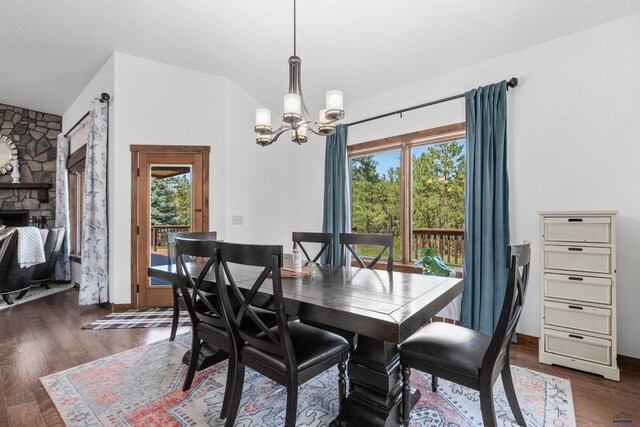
(45, 336)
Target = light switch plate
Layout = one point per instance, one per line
(236, 220)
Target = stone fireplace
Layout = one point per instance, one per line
(35, 136)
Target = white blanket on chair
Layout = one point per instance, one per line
(30, 247)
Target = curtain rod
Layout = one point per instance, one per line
(104, 97)
(513, 82)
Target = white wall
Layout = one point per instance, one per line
(256, 176)
(572, 136)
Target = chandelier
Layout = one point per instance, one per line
(296, 117)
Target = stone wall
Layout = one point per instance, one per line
(35, 135)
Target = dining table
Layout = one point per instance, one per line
(382, 308)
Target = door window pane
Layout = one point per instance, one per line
(438, 199)
(375, 198)
(170, 210)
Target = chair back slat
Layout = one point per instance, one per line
(385, 241)
(323, 238)
(199, 235)
(199, 302)
(518, 259)
(243, 322)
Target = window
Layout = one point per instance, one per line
(411, 186)
(76, 199)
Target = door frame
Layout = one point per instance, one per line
(136, 150)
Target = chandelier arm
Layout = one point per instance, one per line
(282, 129)
(315, 132)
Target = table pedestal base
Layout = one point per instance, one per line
(376, 400)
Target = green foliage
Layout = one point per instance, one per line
(375, 201)
(437, 192)
(431, 263)
(438, 187)
(171, 200)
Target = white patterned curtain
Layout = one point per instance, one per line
(63, 269)
(94, 279)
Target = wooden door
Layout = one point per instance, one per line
(172, 196)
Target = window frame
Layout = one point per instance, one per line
(75, 170)
(404, 143)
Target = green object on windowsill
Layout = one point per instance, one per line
(432, 264)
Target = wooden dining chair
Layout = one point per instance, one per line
(468, 357)
(203, 305)
(323, 238)
(384, 241)
(178, 302)
(290, 353)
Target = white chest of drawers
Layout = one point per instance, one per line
(578, 291)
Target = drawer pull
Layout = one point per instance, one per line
(576, 336)
(579, 279)
(575, 249)
(576, 307)
(575, 220)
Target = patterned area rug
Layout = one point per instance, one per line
(143, 387)
(35, 293)
(140, 318)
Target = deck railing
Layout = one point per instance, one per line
(449, 243)
(159, 234)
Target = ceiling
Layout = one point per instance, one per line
(50, 50)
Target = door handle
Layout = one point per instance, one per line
(197, 210)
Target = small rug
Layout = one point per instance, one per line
(35, 293)
(143, 387)
(140, 318)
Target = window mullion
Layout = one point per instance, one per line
(405, 201)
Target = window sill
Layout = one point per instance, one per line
(75, 258)
(407, 268)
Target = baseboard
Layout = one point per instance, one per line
(118, 308)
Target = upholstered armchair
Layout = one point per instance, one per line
(13, 278)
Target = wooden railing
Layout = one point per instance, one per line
(448, 243)
(159, 234)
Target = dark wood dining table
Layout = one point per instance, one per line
(382, 308)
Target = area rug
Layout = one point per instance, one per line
(36, 292)
(143, 387)
(140, 318)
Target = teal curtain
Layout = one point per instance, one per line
(486, 211)
(337, 211)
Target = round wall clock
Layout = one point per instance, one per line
(8, 153)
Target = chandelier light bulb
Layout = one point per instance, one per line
(334, 100)
(263, 117)
(292, 103)
(263, 121)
